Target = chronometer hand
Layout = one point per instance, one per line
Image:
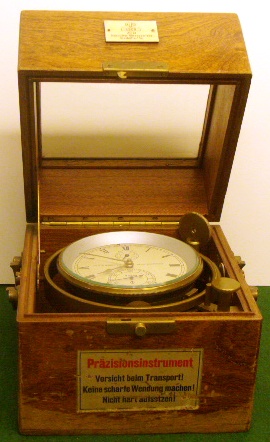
(104, 272)
(101, 256)
(127, 262)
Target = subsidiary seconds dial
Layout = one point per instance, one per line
(129, 263)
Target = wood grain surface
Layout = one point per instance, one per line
(189, 43)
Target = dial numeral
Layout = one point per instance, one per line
(104, 250)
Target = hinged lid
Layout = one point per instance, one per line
(109, 177)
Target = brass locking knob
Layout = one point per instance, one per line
(225, 287)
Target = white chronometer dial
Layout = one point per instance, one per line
(129, 261)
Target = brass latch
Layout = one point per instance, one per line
(140, 327)
(135, 69)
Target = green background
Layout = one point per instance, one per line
(260, 430)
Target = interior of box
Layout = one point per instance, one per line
(150, 187)
(53, 239)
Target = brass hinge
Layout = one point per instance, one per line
(137, 69)
(112, 224)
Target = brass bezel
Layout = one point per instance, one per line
(156, 240)
(66, 301)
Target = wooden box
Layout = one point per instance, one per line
(64, 352)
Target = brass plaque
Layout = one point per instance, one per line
(150, 379)
(131, 31)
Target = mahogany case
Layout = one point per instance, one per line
(69, 198)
